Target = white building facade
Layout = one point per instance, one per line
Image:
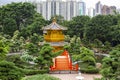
(91, 12)
(68, 9)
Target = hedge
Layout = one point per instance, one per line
(89, 69)
(33, 72)
(8, 71)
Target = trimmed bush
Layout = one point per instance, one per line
(17, 61)
(33, 72)
(89, 69)
(8, 71)
(111, 65)
(40, 77)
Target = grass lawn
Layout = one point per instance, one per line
(40, 77)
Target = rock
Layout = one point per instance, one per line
(98, 65)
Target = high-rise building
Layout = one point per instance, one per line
(81, 8)
(91, 12)
(48, 9)
(39, 7)
(68, 9)
(98, 8)
(105, 10)
(71, 9)
(118, 10)
(108, 10)
(63, 10)
(112, 9)
(44, 10)
(53, 8)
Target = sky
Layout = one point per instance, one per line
(89, 3)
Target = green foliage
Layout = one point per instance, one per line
(9, 26)
(87, 56)
(16, 60)
(40, 77)
(26, 57)
(88, 61)
(34, 72)
(67, 38)
(36, 38)
(100, 27)
(110, 69)
(35, 27)
(74, 46)
(8, 71)
(31, 48)
(4, 48)
(17, 42)
(104, 79)
(16, 15)
(78, 25)
(59, 19)
(89, 69)
(46, 55)
(98, 43)
(114, 34)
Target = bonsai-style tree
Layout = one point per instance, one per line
(88, 60)
(111, 66)
(74, 45)
(8, 71)
(87, 56)
(46, 54)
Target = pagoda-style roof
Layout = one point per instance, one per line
(54, 26)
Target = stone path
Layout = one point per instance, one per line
(73, 76)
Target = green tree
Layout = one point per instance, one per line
(74, 46)
(78, 25)
(46, 54)
(99, 27)
(8, 71)
(35, 38)
(17, 15)
(110, 69)
(87, 56)
(114, 35)
(9, 26)
(17, 42)
(31, 48)
(88, 60)
(3, 50)
(34, 27)
(4, 47)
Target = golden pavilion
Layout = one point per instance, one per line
(53, 34)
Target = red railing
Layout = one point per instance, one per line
(71, 67)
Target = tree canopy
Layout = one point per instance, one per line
(110, 69)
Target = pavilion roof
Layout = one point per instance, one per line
(54, 26)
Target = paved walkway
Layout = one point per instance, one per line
(73, 76)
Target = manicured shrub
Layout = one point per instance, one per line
(34, 72)
(89, 61)
(111, 65)
(87, 56)
(17, 61)
(8, 71)
(89, 69)
(40, 77)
